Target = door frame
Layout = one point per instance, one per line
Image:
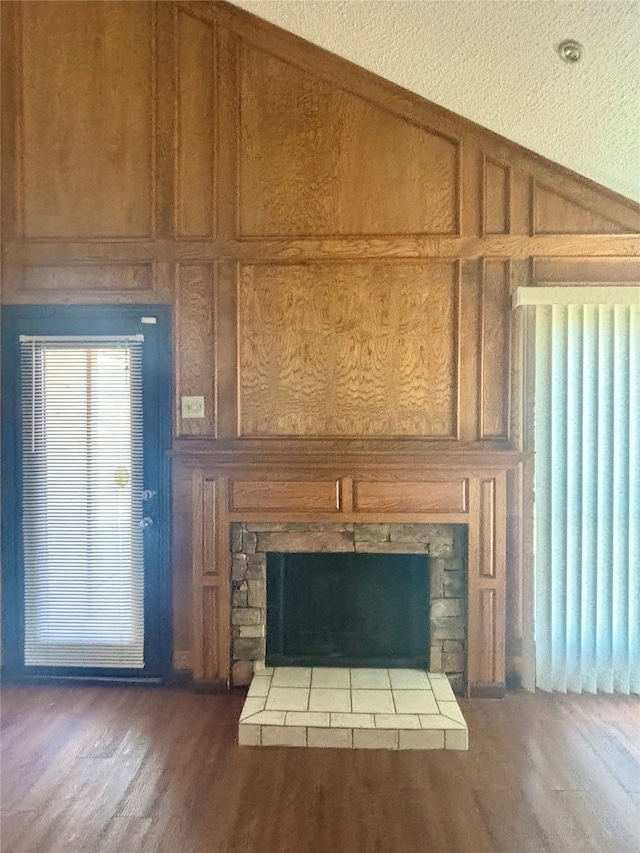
(157, 393)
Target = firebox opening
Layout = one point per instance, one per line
(348, 609)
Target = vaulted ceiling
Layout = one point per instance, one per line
(496, 63)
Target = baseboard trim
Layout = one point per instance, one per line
(491, 690)
(213, 686)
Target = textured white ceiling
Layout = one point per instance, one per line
(494, 61)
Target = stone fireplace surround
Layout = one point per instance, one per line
(445, 544)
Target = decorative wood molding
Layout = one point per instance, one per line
(209, 147)
(247, 495)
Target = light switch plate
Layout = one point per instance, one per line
(192, 407)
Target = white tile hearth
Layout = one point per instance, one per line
(351, 709)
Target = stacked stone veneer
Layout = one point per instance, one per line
(446, 545)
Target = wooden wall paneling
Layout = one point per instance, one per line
(212, 662)
(197, 565)
(226, 350)
(470, 217)
(194, 346)
(83, 278)
(223, 571)
(513, 580)
(164, 132)
(88, 170)
(11, 131)
(346, 494)
(468, 343)
(517, 364)
(495, 197)
(210, 531)
(521, 202)
(594, 271)
(196, 107)
(417, 247)
(301, 141)
(381, 360)
(411, 497)
(181, 563)
(227, 135)
(211, 581)
(291, 495)
(486, 584)
(556, 213)
(190, 140)
(495, 354)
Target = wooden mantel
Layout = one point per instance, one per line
(340, 256)
(467, 488)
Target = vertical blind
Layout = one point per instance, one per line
(587, 497)
(82, 506)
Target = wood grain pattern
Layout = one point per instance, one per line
(437, 497)
(194, 349)
(301, 142)
(88, 169)
(556, 214)
(298, 496)
(598, 271)
(134, 770)
(89, 277)
(210, 633)
(496, 208)
(487, 510)
(380, 360)
(150, 149)
(486, 581)
(210, 567)
(487, 629)
(195, 143)
(182, 561)
(496, 358)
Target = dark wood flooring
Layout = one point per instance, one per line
(132, 769)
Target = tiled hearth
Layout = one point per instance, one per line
(351, 709)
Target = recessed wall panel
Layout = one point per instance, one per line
(87, 90)
(317, 159)
(362, 349)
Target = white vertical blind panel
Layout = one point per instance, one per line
(587, 426)
(82, 502)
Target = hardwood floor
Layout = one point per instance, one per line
(133, 769)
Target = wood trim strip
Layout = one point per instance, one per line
(282, 250)
(197, 563)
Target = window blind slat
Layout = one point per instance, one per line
(587, 438)
(82, 502)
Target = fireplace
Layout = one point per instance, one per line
(454, 512)
(347, 610)
(424, 607)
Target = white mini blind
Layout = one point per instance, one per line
(587, 440)
(82, 501)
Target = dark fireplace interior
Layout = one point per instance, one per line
(347, 609)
